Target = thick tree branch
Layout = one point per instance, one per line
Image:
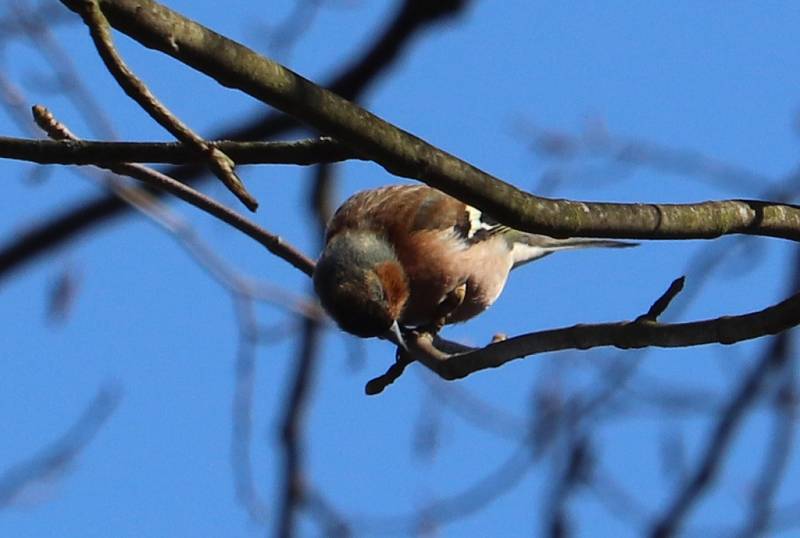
(234, 65)
(353, 80)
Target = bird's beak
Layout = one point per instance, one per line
(395, 330)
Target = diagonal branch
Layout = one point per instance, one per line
(774, 357)
(234, 65)
(219, 162)
(721, 437)
(273, 243)
(55, 459)
(352, 81)
(663, 302)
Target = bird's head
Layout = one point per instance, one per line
(361, 284)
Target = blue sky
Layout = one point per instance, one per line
(717, 79)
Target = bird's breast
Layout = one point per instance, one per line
(445, 265)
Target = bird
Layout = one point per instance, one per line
(402, 257)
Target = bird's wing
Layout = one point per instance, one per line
(400, 211)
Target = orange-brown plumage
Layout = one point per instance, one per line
(415, 256)
(395, 286)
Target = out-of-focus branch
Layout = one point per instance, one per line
(503, 477)
(294, 486)
(778, 455)
(56, 458)
(241, 433)
(218, 161)
(775, 356)
(597, 141)
(711, 461)
(14, 102)
(401, 153)
(577, 455)
(488, 416)
(332, 523)
(292, 479)
(37, 24)
(10, 25)
(272, 242)
(283, 36)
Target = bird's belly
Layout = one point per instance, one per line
(483, 269)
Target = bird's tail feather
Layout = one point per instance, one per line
(529, 247)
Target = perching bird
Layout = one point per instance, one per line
(413, 256)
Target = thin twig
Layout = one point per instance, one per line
(219, 162)
(299, 152)
(272, 242)
(502, 478)
(242, 413)
(663, 302)
(379, 384)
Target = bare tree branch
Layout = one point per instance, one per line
(293, 483)
(298, 152)
(219, 162)
(597, 141)
(54, 459)
(623, 335)
(234, 65)
(272, 242)
(353, 80)
(775, 355)
(663, 302)
(37, 24)
(395, 148)
(777, 457)
(404, 154)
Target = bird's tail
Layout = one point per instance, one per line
(528, 247)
